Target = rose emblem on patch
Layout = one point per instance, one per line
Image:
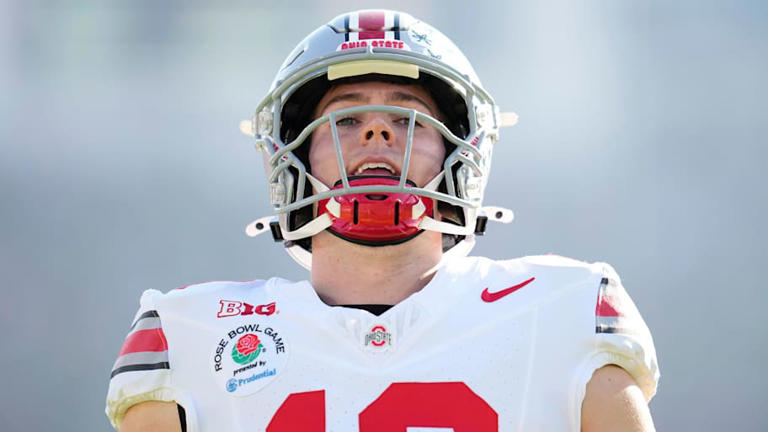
(247, 348)
(248, 357)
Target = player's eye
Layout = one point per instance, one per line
(346, 121)
(405, 120)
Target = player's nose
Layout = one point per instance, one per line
(377, 131)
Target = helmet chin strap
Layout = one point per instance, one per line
(377, 219)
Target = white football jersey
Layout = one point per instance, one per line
(485, 346)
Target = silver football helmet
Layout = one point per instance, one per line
(376, 45)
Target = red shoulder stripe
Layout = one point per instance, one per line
(605, 306)
(145, 340)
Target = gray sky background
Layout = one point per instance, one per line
(641, 142)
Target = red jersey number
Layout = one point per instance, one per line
(402, 405)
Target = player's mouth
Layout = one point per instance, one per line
(375, 169)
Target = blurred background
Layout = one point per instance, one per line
(641, 142)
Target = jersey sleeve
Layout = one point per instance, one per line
(621, 336)
(142, 371)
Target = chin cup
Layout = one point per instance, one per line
(376, 219)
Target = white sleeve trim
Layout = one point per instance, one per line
(116, 409)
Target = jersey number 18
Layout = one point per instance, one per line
(400, 406)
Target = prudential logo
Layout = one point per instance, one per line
(231, 385)
(234, 383)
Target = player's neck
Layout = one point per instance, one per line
(347, 273)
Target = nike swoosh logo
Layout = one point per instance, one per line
(489, 297)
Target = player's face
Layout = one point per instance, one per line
(374, 143)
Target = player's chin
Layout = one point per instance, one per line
(327, 239)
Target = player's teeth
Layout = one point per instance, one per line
(375, 165)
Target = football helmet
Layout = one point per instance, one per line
(389, 46)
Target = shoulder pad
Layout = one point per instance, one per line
(551, 260)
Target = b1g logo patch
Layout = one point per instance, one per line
(229, 308)
(248, 358)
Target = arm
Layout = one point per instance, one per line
(152, 417)
(140, 378)
(614, 402)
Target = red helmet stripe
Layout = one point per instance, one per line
(371, 20)
(371, 24)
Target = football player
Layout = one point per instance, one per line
(377, 138)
